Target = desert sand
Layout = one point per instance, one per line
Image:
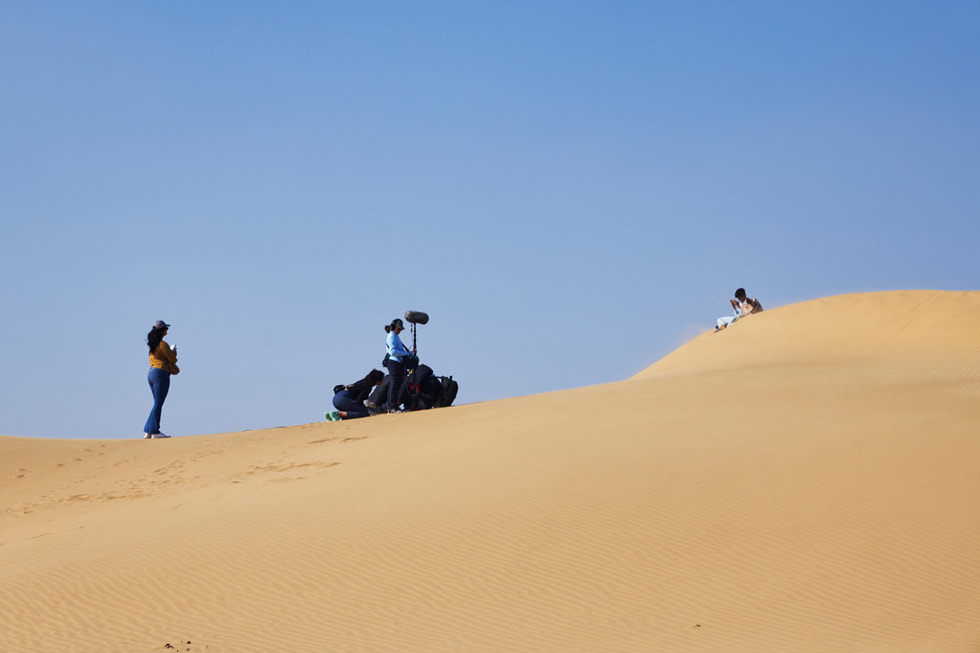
(807, 480)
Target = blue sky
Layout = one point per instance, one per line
(571, 190)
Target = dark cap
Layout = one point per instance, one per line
(160, 324)
(397, 324)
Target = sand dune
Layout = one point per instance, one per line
(803, 481)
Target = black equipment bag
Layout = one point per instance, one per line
(410, 363)
(447, 394)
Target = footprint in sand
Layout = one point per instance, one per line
(182, 646)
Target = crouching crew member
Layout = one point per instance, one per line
(349, 399)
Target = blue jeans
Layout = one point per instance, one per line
(159, 386)
(347, 402)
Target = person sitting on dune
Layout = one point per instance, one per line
(742, 305)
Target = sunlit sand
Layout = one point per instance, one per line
(806, 480)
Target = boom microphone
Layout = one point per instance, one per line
(416, 317)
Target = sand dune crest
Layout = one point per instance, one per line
(804, 481)
(873, 327)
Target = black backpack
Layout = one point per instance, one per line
(425, 390)
(448, 394)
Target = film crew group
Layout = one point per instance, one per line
(349, 400)
(408, 385)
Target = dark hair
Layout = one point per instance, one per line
(374, 377)
(740, 293)
(154, 338)
(395, 324)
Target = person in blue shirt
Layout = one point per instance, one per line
(397, 355)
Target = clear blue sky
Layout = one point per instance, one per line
(570, 189)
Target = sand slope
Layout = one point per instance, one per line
(804, 481)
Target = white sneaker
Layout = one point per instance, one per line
(146, 436)
(159, 435)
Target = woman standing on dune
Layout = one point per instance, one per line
(396, 359)
(163, 364)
